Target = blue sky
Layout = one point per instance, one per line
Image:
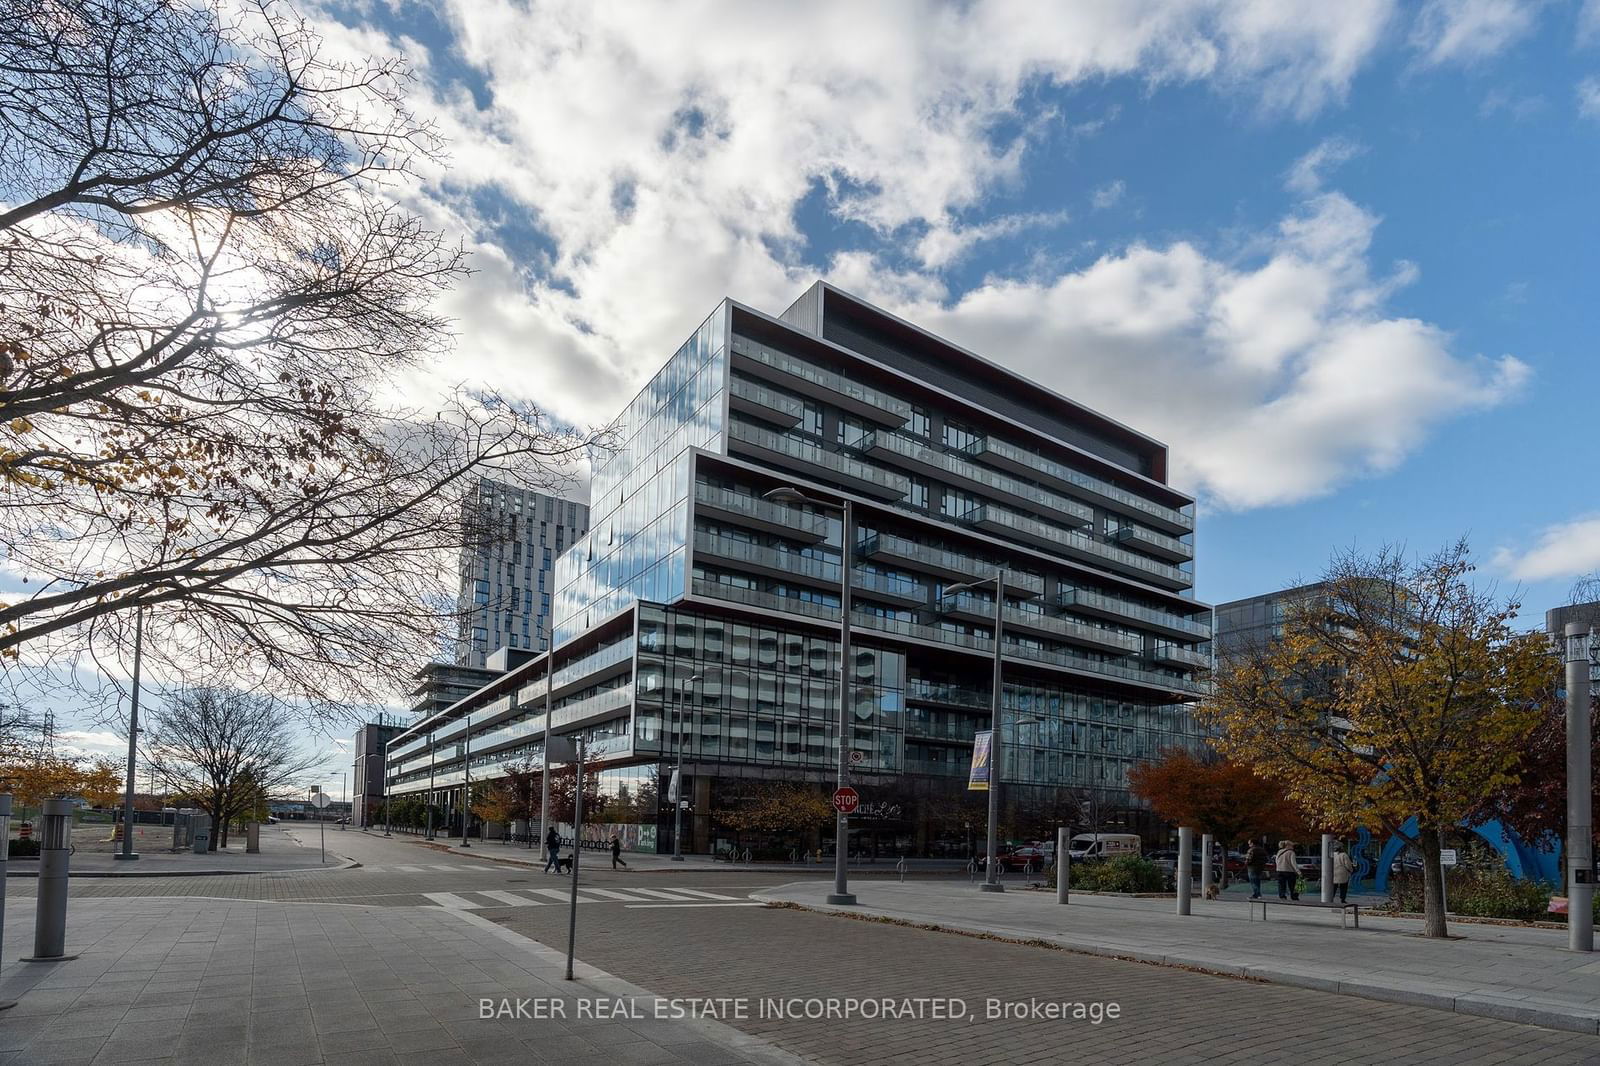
(1341, 257)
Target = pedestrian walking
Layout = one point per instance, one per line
(552, 848)
(1288, 871)
(1255, 861)
(1343, 867)
(616, 852)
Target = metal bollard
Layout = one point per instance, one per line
(1063, 865)
(901, 868)
(1185, 876)
(50, 919)
(972, 871)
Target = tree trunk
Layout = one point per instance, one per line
(1432, 884)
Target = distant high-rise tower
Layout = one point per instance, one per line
(506, 567)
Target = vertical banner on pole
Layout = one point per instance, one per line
(982, 749)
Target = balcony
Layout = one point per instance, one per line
(609, 661)
(792, 372)
(921, 691)
(596, 708)
(756, 513)
(769, 561)
(1076, 632)
(1163, 622)
(758, 401)
(944, 563)
(817, 462)
(1158, 544)
(1094, 666)
(951, 467)
(1078, 545)
(927, 634)
(1000, 454)
(1173, 655)
(895, 589)
(767, 601)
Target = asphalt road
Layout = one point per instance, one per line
(695, 937)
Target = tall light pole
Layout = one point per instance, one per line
(544, 785)
(344, 798)
(991, 871)
(788, 494)
(432, 757)
(1580, 831)
(466, 784)
(388, 799)
(127, 851)
(677, 774)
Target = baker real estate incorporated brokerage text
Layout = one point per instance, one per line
(798, 1008)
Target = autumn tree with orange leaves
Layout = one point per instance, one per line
(1216, 796)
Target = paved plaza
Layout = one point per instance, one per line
(384, 961)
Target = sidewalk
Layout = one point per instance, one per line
(1509, 973)
(280, 853)
(643, 861)
(184, 982)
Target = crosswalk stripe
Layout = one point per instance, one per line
(680, 906)
(657, 893)
(613, 894)
(559, 896)
(703, 894)
(410, 869)
(452, 901)
(490, 869)
(510, 899)
(446, 869)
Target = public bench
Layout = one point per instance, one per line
(1352, 909)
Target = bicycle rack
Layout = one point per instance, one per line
(900, 867)
(972, 871)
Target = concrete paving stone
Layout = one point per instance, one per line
(372, 1057)
(345, 1041)
(58, 1052)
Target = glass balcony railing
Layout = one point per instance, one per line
(766, 600)
(998, 519)
(1101, 491)
(758, 555)
(1159, 543)
(946, 563)
(1166, 621)
(924, 691)
(1078, 632)
(606, 702)
(873, 480)
(891, 407)
(1076, 662)
(952, 465)
(765, 402)
(1187, 657)
(594, 662)
(897, 587)
(792, 520)
(917, 631)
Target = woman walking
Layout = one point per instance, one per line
(1288, 871)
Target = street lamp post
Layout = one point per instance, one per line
(840, 896)
(544, 786)
(677, 775)
(432, 752)
(388, 804)
(991, 872)
(344, 798)
(466, 784)
(127, 852)
(1580, 833)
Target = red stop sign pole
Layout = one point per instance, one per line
(846, 800)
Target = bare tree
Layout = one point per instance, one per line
(226, 750)
(211, 310)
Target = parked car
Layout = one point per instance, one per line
(272, 820)
(1031, 858)
(1104, 846)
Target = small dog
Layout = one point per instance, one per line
(1213, 891)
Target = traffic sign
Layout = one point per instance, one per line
(1447, 856)
(846, 799)
(320, 800)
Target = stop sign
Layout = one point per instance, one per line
(846, 799)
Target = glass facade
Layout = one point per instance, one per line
(639, 522)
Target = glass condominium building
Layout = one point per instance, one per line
(698, 619)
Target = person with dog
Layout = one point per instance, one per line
(1288, 869)
(552, 848)
(1255, 862)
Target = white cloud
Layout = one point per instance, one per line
(1467, 31)
(1589, 98)
(1306, 175)
(662, 158)
(1108, 195)
(1273, 382)
(1589, 21)
(1564, 550)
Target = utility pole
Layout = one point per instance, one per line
(1580, 831)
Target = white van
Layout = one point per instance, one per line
(1103, 845)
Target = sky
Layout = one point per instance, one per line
(1341, 258)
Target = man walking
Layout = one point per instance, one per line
(616, 852)
(552, 848)
(1255, 861)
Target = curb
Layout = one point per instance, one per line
(1506, 1010)
(73, 875)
